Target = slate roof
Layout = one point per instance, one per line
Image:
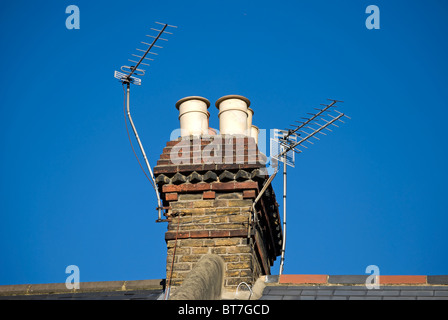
(334, 292)
(353, 287)
(285, 287)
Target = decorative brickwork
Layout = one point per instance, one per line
(209, 207)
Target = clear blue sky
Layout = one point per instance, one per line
(372, 192)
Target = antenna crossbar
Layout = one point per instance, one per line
(313, 133)
(314, 116)
(147, 51)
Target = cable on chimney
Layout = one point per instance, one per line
(167, 290)
(130, 141)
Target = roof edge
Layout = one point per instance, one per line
(357, 279)
(96, 286)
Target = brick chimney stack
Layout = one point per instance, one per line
(208, 184)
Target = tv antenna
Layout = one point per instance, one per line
(128, 76)
(287, 142)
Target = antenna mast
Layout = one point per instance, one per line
(286, 142)
(127, 78)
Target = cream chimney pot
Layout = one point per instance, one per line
(233, 114)
(193, 115)
(250, 115)
(254, 131)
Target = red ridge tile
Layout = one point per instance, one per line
(402, 279)
(303, 278)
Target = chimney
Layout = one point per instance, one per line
(209, 197)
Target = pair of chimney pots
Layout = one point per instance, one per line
(235, 116)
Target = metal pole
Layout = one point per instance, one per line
(159, 204)
(282, 260)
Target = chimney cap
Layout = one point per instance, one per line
(178, 103)
(232, 96)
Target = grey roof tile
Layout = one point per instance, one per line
(339, 298)
(411, 288)
(276, 292)
(358, 288)
(417, 293)
(349, 292)
(364, 298)
(305, 287)
(294, 292)
(399, 298)
(379, 292)
(318, 292)
(440, 288)
(289, 288)
(443, 293)
(269, 297)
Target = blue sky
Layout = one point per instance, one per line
(372, 192)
